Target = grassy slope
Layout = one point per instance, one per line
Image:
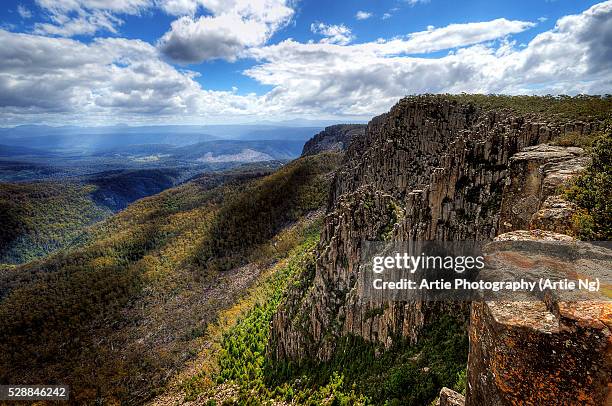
(115, 317)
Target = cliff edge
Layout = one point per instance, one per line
(436, 168)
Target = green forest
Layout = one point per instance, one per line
(40, 217)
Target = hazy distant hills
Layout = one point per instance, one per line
(38, 152)
(98, 138)
(15, 150)
(85, 174)
(229, 150)
(71, 177)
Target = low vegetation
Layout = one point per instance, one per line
(580, 107)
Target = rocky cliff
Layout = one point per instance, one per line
(432, 168)
(335, 138)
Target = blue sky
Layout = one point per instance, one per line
(211, 61)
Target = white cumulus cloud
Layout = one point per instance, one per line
(363, 15)
(368, 78)
(63, 80)
(232, 27)
(60, 80)
(332, 34)
(86, 17)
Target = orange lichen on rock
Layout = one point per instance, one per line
(543, 350)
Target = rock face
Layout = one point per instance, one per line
(429, 169)
(543, 351)
(333, 138)
(555, 214)
(535, 174)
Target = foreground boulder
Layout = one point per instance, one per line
(543, 350)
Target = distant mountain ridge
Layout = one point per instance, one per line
(11, 150)
(96, 138)
(33, 152)
(267, 149)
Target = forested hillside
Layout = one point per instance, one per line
(115, 317)
(117, 189)
(41, 217)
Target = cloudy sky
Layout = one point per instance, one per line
(92, 62)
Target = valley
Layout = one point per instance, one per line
(56, 181)
(142, 273)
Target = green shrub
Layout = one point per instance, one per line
(591, 192)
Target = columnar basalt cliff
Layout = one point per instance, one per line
(334, 138)
(436, 169)
(431, 169)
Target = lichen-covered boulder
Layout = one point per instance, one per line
(543, 350)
